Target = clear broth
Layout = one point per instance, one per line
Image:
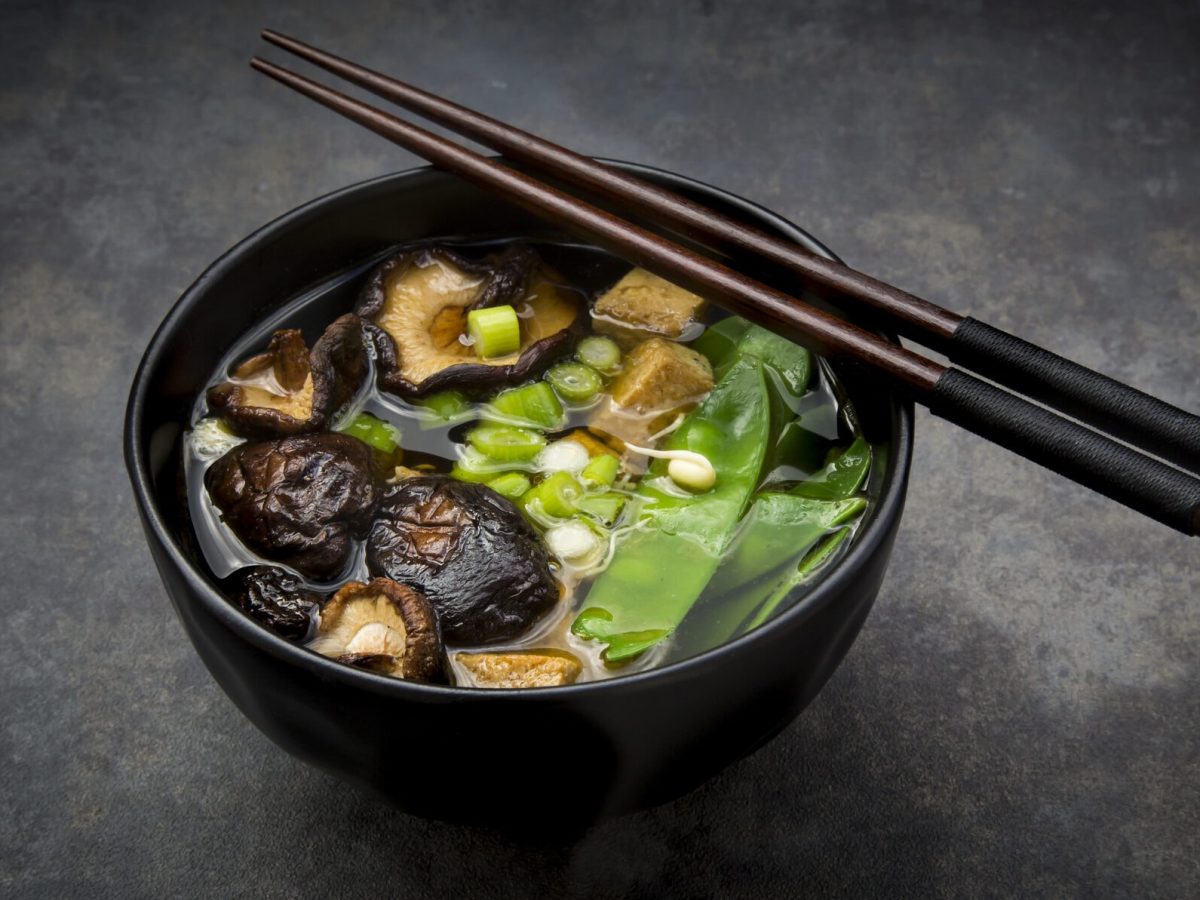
(586, 271)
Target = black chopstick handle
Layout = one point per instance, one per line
(1093, 460)
(1108, 405)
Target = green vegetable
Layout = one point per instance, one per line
(816, 558)
(799, 448)
(791, 362)
(755, 569)
(511, 485)
(554, 495)
(601, 470)
(733, 339)
(575, 382)
(495, 331)
(602, 508)
(601, 353)
(446, 407)
(842, 477)
(535, 405)
(720, 339)
(506, 443)
(660, 569)
(474, 466)
(373, 431)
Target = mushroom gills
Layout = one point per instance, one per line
(384, 627)
(288, 390)
(425, 314)
(419, 302)
(368, 626)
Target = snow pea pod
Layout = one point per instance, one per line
(759, 567)
(661, 568)
(733, 339)
(816, 558)
(842, 477)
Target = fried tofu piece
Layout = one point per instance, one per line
(592, 444)
(660, 380)
(525, 669)
(661, 375)
(644, 302)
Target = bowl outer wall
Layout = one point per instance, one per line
(463, 754)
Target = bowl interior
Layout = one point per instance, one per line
(261, 278)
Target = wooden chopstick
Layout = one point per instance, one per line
(1109, 405)
(1138, 481)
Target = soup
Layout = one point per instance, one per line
(518, 464)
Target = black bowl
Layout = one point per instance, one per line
(573, 753)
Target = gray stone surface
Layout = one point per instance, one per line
(1020, 714)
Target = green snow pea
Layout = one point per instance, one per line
(661, 569)
(816, 558)
(720, 339)
(842, 477)
(759, 566)
(791, 362)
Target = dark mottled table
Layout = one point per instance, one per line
(1020, 715)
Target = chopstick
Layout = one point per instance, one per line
(1091, 459)
(1091, 397)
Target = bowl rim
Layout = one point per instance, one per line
(875, 531)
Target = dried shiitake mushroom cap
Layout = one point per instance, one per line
(417, 303)
(469, 551)
(276, 599)
(298, 500)
(385, 627)
(288, 390)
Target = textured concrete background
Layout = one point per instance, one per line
(1019, 715)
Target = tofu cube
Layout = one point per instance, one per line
(536, 668)
(645, 302)
(661, 375)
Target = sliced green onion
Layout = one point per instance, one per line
(601, 353)
(575, 382)
(446, 406)
(563, 456)
(572, 540)
(511, 485)
(211, 438)
(603, 508)
(495, 331)
(373, 431)
(533, 404)
(474, 466)
(506, 443)
(601, 471)
(554, 495)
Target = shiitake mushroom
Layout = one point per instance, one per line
(383, 627)
(298, 500)
(275, 598)
(416, 304)
(469, 551)
(288, 390)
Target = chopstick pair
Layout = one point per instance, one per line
(1090, 458)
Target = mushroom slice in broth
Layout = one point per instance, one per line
(417, 303)
(300, 501)
(288, 390)
(385, 627)
(470, 551)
